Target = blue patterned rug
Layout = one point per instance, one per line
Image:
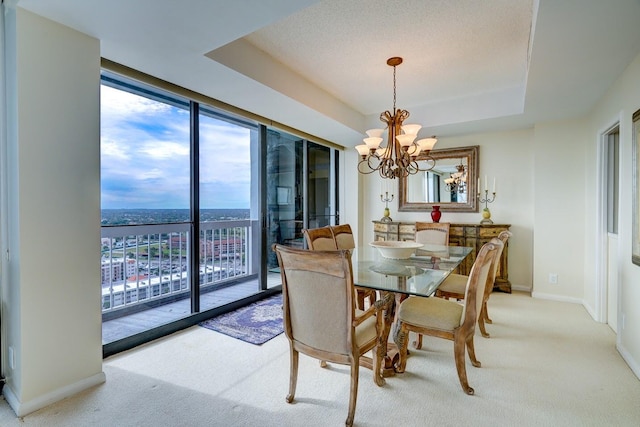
(256, 323)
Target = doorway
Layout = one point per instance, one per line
(609, 201)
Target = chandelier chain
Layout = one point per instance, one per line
(394, 89)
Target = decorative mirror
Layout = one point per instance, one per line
(452, 184)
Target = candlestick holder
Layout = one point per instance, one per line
(486, 213)
(386, 199)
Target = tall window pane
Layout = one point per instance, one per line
(225, 169)
(226, 184)
(144, 159)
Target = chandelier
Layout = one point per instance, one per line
(457, 182)
(397, 159)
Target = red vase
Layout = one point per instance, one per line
(436, 214)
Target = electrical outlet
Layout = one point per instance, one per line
(553, 278)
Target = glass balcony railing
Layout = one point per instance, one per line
(150, 263)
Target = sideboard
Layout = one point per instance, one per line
(471, 235)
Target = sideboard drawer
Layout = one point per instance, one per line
(383, 227)
(491, 232)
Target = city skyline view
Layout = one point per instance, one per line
(165, 216)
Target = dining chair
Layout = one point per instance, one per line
(320, 318)
(343, 236)
(320, 239)
(454, 285)
(447, 319)
(435, 233)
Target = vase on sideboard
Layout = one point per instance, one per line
(436, 214)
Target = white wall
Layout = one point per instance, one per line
(349, 194)
(51, 307)
(559, 199)
(507, 156)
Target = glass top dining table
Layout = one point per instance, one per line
(420, 274)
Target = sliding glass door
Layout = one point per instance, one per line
(300, 185)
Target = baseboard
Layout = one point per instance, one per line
(554, 297)
(591, 312)
(517, 288)
(635, 368)
(23, 408)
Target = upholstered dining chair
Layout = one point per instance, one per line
(436, 233)
(447, 319)
(454, 285)
(320, 318)
(320, 239)
(343, 236)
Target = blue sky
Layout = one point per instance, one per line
(145, 156)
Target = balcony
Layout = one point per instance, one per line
(146, 273)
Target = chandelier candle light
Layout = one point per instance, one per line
(398, 158)
(486, 213)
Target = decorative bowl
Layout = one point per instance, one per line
(396, 249)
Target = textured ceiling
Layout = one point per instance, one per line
(320, 66)
(342, 47)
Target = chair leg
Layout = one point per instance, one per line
(361, 297)
(458, 352)
(378, 354)
(293, 375)
(353, 395)
(486, 312)
(417, 344)
(372, 297)
(472, 352)
(481, 325)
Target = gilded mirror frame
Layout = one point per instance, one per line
(471, 154)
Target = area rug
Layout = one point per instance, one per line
(255, 323)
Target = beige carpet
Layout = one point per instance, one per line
(546, 364)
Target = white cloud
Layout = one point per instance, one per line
(145, 152)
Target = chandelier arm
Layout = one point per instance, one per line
(431, 162)
(366, 172)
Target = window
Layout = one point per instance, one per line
(190, 207)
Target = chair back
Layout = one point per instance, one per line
(320, 239)
(318, 304)
(343, 236)
(503, 236)
(435, 233)
(478, 278)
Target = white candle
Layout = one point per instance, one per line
(381, 187)
(486, 187)
(494, 184)
(478, 185)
